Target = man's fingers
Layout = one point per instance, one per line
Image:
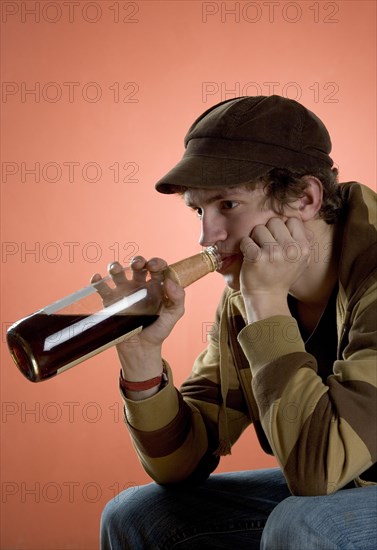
(300, 245)
(261, 234)
(290, 234)
(250, 249)
(297, 229)
(173, 291)
(142, 270)
(288, 237)
(280, 229)
(103, 290)
(117, 273)
(139, 272)
(95, 278)
(156, 264)
(156, 267)
(174, 296)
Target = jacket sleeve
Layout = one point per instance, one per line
(175, 432)
(323, 434)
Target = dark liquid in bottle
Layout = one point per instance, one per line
(39, 357)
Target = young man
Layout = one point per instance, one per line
(292, 351)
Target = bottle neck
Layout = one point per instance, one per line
(187, 271)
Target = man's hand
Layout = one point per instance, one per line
(275, 257)
(173, 295)
(140, 355)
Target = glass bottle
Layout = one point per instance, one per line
(91, 320)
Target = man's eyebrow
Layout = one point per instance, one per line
(220, 196)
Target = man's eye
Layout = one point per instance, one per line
(198, 212)
(228, 205)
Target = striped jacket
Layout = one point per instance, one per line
(312, 400)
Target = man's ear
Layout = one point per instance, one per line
(311, 201)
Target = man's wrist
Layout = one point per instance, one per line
(259, 307)
(141, 385)
(138, 390)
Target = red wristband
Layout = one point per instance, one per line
(140, 386)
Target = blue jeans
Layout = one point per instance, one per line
(241, 510)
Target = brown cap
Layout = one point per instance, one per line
(240, 140)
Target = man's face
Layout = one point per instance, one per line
(226, 216)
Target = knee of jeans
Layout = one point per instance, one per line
(123, 505)
(285, 525)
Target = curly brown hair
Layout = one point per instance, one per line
(283, 186)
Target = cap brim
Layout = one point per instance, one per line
(201, 172)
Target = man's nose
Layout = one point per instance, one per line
(212, 231)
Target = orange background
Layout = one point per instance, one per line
(116, 85)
